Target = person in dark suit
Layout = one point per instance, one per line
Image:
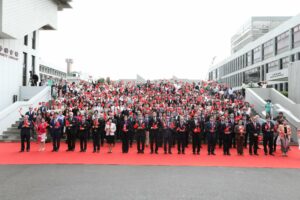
(228, 128)
(167, 132)
(96, 134)
(102, 128)
(268, 134)
(232, 135)
(71, 124)
(84, 128)
(55, 130)
(26, 125)
(221, 128)
(140, 127)
(126, 127)
(154, 126)
(196, 130)
(181, 137)
(131, 132)
(253, 129)
(43, 109)
(211, 129)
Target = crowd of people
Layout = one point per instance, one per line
(167, 115)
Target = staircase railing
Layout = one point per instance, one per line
(9, 115)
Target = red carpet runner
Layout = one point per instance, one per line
(9, 155)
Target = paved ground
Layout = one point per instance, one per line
(64, 182)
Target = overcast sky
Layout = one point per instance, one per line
(153, 38)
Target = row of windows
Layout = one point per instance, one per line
(280, 44)
(54, 72)
(25, 65)
(296, 29)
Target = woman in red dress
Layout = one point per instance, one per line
(42, 134)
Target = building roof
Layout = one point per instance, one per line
(62, 4)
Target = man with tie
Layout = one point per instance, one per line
(154, 125)
(84, 128)
(25, 126)
(181, 135)
(196, 130)
(253, 129)
(126, 128)
(168, 127)
(228, 127)
(268, 134)
(211, 129)
(96, 134)
(140, 127)
(55, 130)
(71, 124)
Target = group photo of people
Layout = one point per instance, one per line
(168, 117)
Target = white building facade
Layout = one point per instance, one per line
(265, 59)
(20, 22)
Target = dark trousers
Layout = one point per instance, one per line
(181, 138)
(220, 138)
(131, 137)
(226, 143)
(253, 144)
(268, 141)
(140, 137)
(187, 139)
(71, 138)
(211, 142)
(102, 135)
(56, 140)
(274, 143)
(246, 140)
(239, 144)
(232, 141)
(153, 140)
(125, 142)
(96, 141)
(25, 137)
(196, 138)
(83, 141)
(167, 138)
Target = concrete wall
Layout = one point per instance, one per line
(21, 17)
(294, 82)
(10, 114)
(28, 92)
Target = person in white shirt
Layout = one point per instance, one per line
(110, 129)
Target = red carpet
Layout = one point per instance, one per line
(9, 155)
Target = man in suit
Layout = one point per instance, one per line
(253, 129)
(43, 109)
(84, 128)
(96, 134)
(26, 125)
(211, 129)
(126, 128)
(268, 134)
(71, 124)
(181, 135)
(154, 126)
(167, 135)
(140, 127)
(55, 130)
(196, 129)
(227, 130)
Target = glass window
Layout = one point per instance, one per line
(273, 66)
(24, 69)
(257, 54)
(34, 40)
(26, 40)
(252, 75)
(282, 42)
(33, 64)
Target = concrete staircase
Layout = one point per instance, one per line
(12, 134)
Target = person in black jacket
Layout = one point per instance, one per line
(196, 130)
(211, 129)
(181, 135)
(126, 128)
(253, 129)
(84, 128)
(55, 130)
(71, 124)
(96, 134)
(154, 126)
(26, 125)
(268, 134)
(228, 129)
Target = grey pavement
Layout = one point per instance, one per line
(82, 182)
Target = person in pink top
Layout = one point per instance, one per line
(42, 134)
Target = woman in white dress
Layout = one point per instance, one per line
(110, 129)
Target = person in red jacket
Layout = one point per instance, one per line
(42, 134)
